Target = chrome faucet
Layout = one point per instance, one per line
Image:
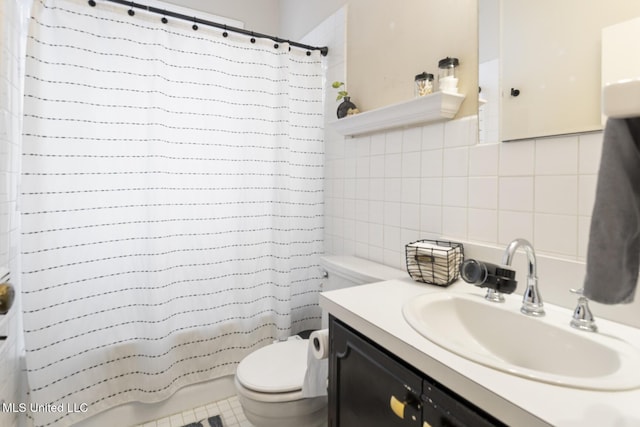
(582, 317)
(532, 304)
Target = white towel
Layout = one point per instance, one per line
(613, 255)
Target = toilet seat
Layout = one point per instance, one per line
(291, 396)
(277, 369)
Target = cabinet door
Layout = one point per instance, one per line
(367, 387)
(443, 408)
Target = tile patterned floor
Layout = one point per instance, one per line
(229, 410)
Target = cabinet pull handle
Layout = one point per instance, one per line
(397, 407)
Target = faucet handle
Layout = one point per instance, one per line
(494, 296)
(582, 317)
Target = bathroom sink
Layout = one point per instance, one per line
(541, 349)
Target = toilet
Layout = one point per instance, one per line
(269, 380)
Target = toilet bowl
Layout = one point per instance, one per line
(269, 380)
(269, 385)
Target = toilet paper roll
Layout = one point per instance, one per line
(315, 379)
(319, 341)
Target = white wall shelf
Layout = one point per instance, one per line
(438, 106)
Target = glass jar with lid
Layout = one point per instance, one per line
(424, 84)
(448, 75)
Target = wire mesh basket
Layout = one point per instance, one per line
(435, 262)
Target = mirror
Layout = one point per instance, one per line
(540, 71)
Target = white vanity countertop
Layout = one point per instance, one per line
(376, 311)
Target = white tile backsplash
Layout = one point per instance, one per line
(363, 166)
(450, 186)
(412, 140)
(393, 189)
(541, 190)
(557, 156)
(454, 191)
(516, 193)
(377, 166)
(433, 137)
(410, 216)
(392, 214)
(556, 194)
(376, 211)
(377, 144)
(484, 160)
(584, 225)
(483, 225)
(454, 222)
(517, 158)
(376, 189)
(511, 223)
(376, 235)
(456, 162)
(483, 192)
(590, 150)
(393, 142)
(393, 165)
(431, 219)
(586, 194)
(461, 133)
(410, 190)
(411, 164)
(556, 234)
(431, 191)
(432, 163)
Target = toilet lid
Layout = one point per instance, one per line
(276, 368)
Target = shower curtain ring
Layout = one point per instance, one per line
(194, 26)
(92, 3)
(253, 39)
(164, 18)
(225, 33)
(131, 11)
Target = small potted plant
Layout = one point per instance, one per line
(346, 107)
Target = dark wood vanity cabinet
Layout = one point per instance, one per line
(369, 386)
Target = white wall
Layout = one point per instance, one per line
(261, 16)
(298, 18)
(11, 69)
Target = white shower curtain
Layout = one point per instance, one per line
(171, 200)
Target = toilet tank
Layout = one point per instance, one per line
(344, 271)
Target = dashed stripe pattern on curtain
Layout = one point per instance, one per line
(172, 204)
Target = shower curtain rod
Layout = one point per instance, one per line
(323, 50)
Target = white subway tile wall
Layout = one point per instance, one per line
(387, 189)
(11, 48)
